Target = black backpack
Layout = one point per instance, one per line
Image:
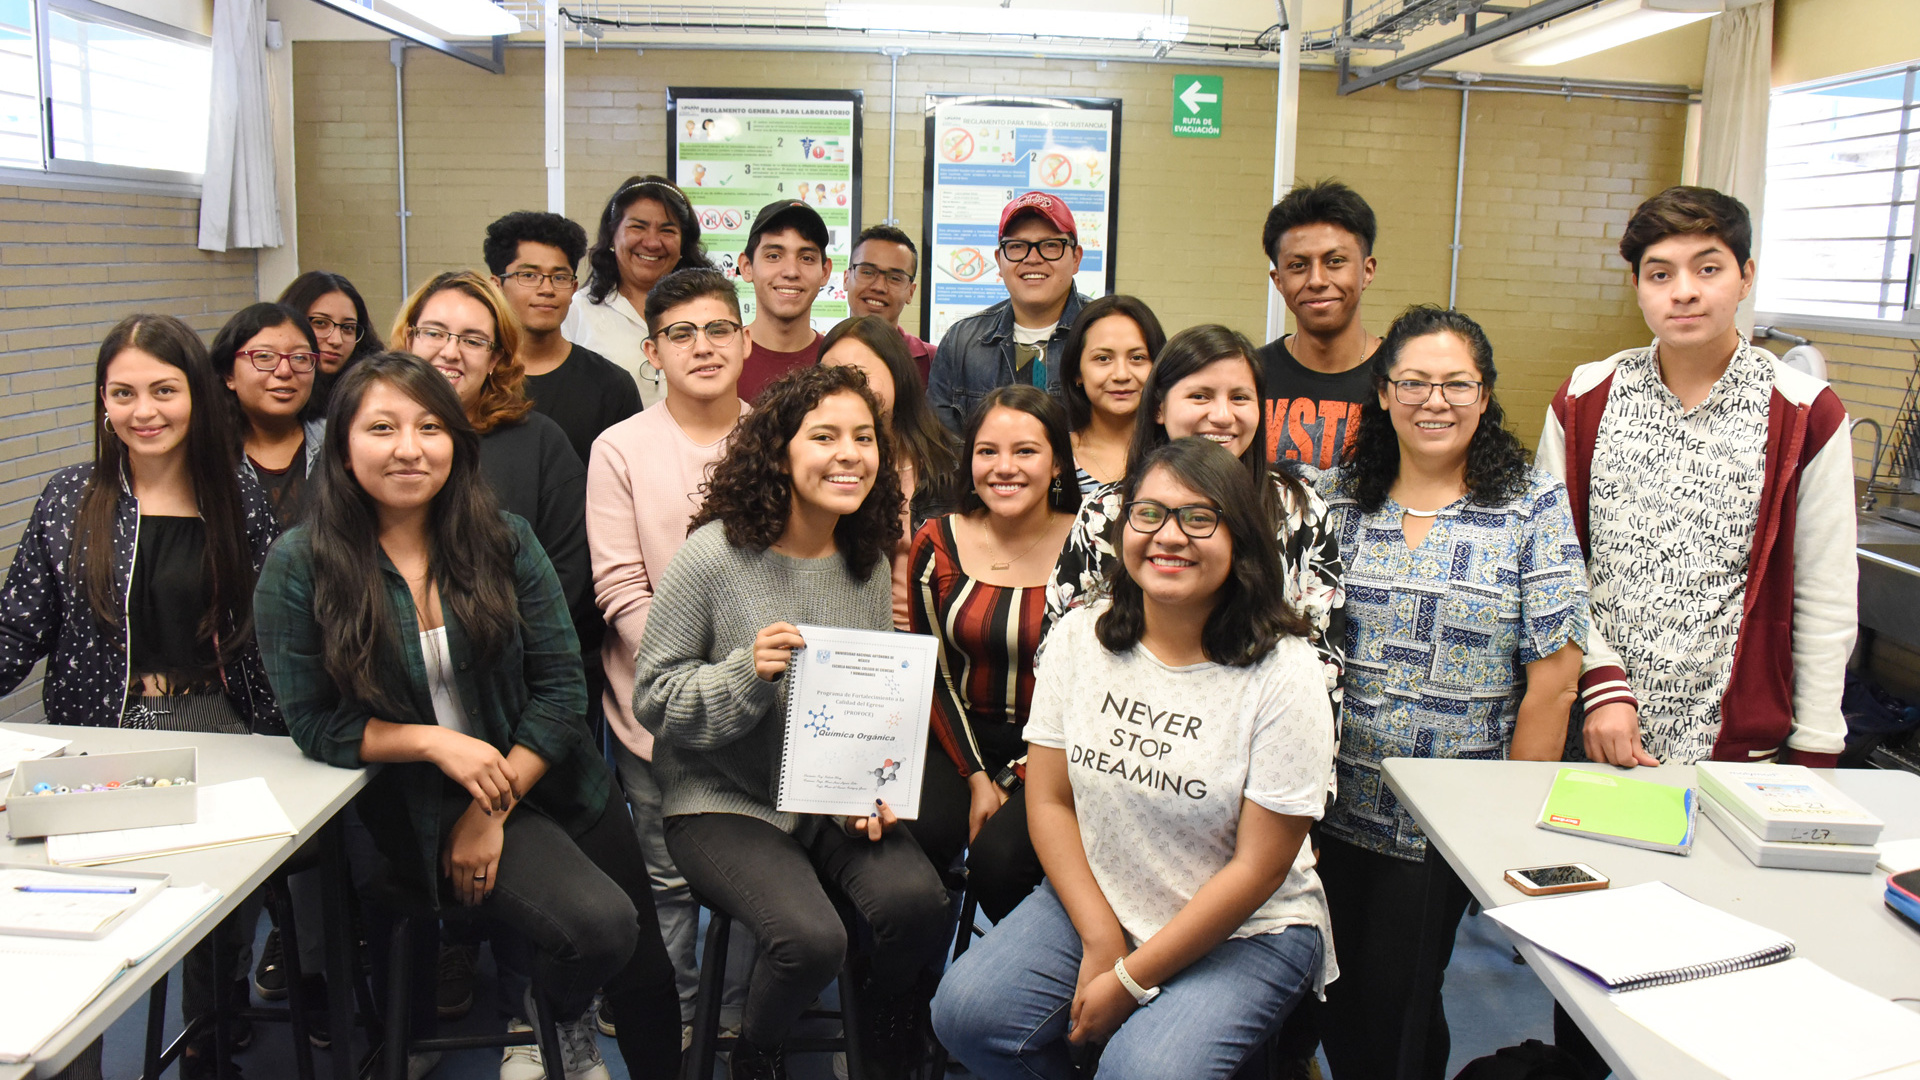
(1531, 1060)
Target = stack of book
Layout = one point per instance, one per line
(1787, 816)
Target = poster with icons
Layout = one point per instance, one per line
(983, 151)
(735, 150)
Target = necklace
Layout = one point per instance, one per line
(1022, 555)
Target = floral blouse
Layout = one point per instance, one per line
(1309, 562)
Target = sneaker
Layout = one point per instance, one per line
(419, 1065)
(749, 1062)
(319, 1021)
(453, 998)
(522, 1062)
(579, 1045)
(686, 1037)
(603, 1019)
(270, 974)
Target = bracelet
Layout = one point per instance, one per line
(1141, 995)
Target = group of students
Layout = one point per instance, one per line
(1189, 594)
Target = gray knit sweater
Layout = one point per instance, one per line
(719, 726)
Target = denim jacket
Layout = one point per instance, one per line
(976, 357)
(44, 611)
(314, 432)
(532, 694)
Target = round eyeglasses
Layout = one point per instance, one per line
(681, 335)
(1149, 517)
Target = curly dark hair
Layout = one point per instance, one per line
(750, 490)
(1497, 463)
(504, 237)
(603, 266)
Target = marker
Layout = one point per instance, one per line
(110, 890)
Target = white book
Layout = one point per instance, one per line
(856, 731)
(1789, 1021)
(1784, 854)
(1787, 802)
(232, 813)
(18, 746)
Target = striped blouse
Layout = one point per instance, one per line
(988, 635)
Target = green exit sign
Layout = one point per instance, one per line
(1196, 106)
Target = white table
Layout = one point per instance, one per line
(310, 792)
(1479, 816)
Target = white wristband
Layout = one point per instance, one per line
(1140, 995)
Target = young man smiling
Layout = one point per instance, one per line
(533, 257)
(879, 281)
(1712, 490)
(1017, 340)
(786, 263)
(1320, 238)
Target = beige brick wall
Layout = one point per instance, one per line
(1871, 375)
(74, 263)
(1549, 180)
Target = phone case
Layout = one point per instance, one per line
(1512, 878)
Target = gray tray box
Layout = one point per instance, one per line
(100, 811)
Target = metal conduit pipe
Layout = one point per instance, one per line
(397, 53)
(894, 53)
(1459, 200)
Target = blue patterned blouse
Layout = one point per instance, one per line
(1438, 638)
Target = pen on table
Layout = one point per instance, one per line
(112, 890)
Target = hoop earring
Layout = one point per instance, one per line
(108, 421)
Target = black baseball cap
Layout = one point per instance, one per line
(789, 214)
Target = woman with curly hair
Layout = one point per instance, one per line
(799, 519)
(1466, 623)
(647, 230)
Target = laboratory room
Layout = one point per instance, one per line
(1334, 539)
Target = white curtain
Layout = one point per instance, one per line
(239, 207)
(1733, 111)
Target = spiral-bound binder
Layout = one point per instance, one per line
(1644, 935)
(856, 722)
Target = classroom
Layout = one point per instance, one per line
(718, 390)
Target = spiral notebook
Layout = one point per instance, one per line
(857, 708)
(1643, 935)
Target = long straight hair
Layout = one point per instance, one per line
(212, 460)
(917, 434)
(1252, 613)
(470, 552)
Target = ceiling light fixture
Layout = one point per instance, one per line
(462, 18)
(1602, 27)
(1001, 21)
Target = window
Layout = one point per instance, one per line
(1838, 239)
(86, 88)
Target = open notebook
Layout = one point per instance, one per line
(1643, 935)
(48, 981)
(230, 813)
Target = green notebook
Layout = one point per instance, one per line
(1611, 807)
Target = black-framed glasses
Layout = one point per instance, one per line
(1051, 250)
(435, 339)
(530, 279)
(268, 360)
(1147, 516)
(681, 335)
(323, 326)
(868, 273)
(1419, 391)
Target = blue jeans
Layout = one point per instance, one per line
(1003, 1007)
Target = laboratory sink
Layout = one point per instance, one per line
(1889, 557)
(1906, 554)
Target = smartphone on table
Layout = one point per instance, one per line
(1559, 878)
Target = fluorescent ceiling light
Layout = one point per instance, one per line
(1019, 22)
(462, 18)
(1602, 27)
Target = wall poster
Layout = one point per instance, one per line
(735, 150)
(981, 152)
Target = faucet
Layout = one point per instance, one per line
(1867, 501)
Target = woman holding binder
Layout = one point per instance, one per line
(409, 621)
(1466, 601)
(1177, 755)
(799, 519)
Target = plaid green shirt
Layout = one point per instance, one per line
(532, 694)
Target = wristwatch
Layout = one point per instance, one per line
(1008, 780)
(1140, 995)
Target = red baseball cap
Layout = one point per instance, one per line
(1047, 206)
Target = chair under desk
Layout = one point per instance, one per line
(310, 792)
(1479, 817)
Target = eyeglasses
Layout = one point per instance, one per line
(1419, 392)
(531, 279)
(434, 339)
(867, 274)
(681, 334)
(1147, 516)
(1050, 250)
(268, 360)
(324, 326)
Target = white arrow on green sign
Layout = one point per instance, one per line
(1196, 106)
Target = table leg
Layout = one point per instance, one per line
(341, 962)
(1425, 979)
(223, 1003)
(156, 1030)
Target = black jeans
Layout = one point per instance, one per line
(1002, 867)
(1377, 904)
(770, 882)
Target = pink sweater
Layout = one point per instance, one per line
(643, 488)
